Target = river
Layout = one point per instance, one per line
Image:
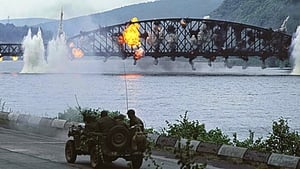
(234, 100)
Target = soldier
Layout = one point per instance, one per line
(90, 122)
(105, 122)
(134, 120)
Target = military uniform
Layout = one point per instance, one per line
(105, 124)
(134, 120)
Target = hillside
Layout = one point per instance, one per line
(9, 33)
(26, 21)
(157, 9)
(267, 13)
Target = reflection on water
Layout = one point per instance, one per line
(234, 100)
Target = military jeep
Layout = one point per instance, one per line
(119, 142)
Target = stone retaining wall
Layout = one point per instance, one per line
(51, 126)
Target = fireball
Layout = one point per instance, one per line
(77, 53)
(131, 33)
(131, 36)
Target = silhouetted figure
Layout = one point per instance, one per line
(134, 120)
(105, 122)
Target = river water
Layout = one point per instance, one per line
(234, 100)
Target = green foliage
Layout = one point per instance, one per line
(71, 114)
(186, 157)
(260, 13)
(216, 136)
(12, 33)
(282, 140)
(148, 156)
(249, 142)
(78, 114)
(184, 128)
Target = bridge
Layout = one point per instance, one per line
(177, 37)
(11, 49)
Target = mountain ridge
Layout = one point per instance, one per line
(268, 13)
(149, 10)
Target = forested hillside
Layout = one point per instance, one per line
(150, 10)
(10, 33)
(265, 13)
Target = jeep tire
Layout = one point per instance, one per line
(70, 151)
(95, 160)
(118, 138)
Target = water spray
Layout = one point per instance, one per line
(295, 54)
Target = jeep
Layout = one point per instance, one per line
(119, 142)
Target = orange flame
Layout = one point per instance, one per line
(76, 52)
(131, 76)
(131, 34)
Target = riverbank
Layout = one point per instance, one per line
(59, 128)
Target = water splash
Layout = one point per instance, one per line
(295, 55)
(34, 54)
(57, 58)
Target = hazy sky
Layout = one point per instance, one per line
(51, 8)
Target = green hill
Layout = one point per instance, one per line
(264, 13)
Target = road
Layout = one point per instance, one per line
(21, 150)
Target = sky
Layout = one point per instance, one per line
(51, 8)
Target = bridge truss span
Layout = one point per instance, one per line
(185, 37)
(12, 49)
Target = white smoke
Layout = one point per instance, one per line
(57, 58)
(295, 55)
(34, 54)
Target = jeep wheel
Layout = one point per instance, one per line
(70, 152)
(137, 162)
(118, 138)
(94, 158)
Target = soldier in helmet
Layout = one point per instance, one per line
(134, 120)
(105, 122)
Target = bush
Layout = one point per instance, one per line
(77, 114)
(281, 140)
(184, 128)
(71, 114)
(249, 142)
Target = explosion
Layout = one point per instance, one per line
(76, 52)
(131, 36)
(131, 33)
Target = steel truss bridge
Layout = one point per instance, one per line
(11, 50)
(180, 37)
